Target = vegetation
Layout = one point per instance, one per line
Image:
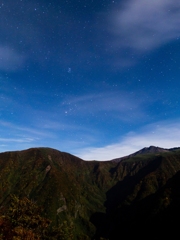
(47, 194)
(23, 220)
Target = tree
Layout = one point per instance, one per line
(23, 220)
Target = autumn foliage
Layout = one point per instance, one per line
(23, 220)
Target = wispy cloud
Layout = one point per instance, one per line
(46, 132)
(161, 134)
(139, 26)
(16, 140)
(14, 137)
(10, 59)
(75, 122)
(23, 130)
(123, 104)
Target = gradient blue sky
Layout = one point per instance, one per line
(99, 79)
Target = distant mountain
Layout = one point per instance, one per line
(136, 197)
(146, 150)
(151, 149)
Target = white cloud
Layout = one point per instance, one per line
(16, 140)
(161, 134)
(139, 26)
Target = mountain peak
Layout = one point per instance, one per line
(146, 150)
(150, 149)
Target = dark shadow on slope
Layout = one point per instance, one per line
(154, 217)
(106, 222)
(122, 189)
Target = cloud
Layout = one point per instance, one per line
(18, 137)
(139, 26)
(10, 59)
(161, 134)
(122, 105)
(20, 130)
(16, 140)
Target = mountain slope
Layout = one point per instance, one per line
(142, 200)
(99, 199)
(67, 187)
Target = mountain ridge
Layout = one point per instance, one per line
(147, 150)
(95, 198)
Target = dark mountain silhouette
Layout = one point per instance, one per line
(135, 197)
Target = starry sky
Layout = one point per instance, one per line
(99, 79)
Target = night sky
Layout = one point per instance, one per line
(96, 78)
